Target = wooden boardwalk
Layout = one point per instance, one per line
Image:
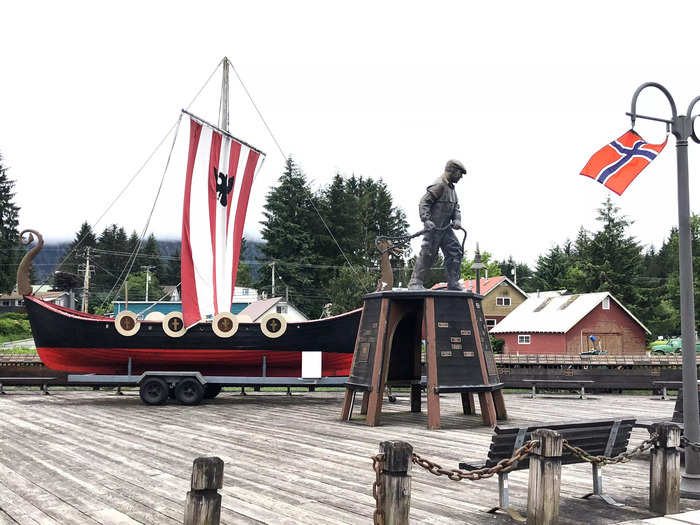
(93, 457)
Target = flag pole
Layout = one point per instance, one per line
(682, 129)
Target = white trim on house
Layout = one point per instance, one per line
(524, 339)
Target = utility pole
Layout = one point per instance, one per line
(515, 273)
(148, 277)
(88, 271)
(682, 128)
(273, 279)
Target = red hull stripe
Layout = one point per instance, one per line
(190, 306)
(214, 155)
(209, 362)
(241, 210)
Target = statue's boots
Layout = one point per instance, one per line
(453, 270)
(415, 284)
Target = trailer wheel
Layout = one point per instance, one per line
(211, 391)
(189, 391)
(154, 391)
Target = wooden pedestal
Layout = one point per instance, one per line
(458, 354)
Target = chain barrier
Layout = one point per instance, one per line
(503, 466)
(623, 457)
(377, 464)
(685, 443)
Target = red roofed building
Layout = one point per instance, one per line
(501, 296)
(551, 323)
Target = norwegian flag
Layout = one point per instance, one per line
(616, 164)
(220, 172)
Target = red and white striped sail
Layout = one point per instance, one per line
(220, 172)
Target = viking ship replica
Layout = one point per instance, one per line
(204, 337)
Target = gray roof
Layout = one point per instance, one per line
(554, 313)
(258, 308)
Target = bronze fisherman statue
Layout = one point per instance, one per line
(439, 211)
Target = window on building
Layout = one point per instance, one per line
(606, 303)
(244, 291)
(4, 303)
(502, 301)
(282, 309)
(524, 339)
(19, 302)
(490, 323)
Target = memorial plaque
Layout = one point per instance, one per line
(361, 373)
(463, 366)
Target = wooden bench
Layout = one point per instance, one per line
(608, 437)
(580, 384)
(43, 382)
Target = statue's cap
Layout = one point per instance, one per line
(455, 165)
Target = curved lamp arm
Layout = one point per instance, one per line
(633, 113)
(692, 118)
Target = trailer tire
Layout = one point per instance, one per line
(154, 391)
(189, 391)
(211, 391)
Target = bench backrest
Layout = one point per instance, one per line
(607, 437)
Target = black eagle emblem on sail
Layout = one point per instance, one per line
(224, 185)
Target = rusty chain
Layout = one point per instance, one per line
(377, 462)
(685, 443)
(505, 465)
(623, 457)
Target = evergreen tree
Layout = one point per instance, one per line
(109, 264)
(552, 269)
(10, 248)
(137, 287)
(244, 276)
(288, 230)
(523, 273)
(75, 253)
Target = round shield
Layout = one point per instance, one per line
(273, 325)
(126, 323)
(173, 325)
(224, 324)
(154, 316)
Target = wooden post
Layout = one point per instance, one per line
(365, 403)
(501, 413)
(433, 398)
(415, 398)
(665, 469)
(545, 478)
(488, 409)
(396, 481)
(203, 503)
(468, 406)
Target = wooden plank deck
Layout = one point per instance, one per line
(93, 457)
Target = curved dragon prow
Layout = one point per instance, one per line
(24, 286)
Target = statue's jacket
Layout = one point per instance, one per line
(439, 204)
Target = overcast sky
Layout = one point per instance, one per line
(521, 92)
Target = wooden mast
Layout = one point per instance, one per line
(223, 117)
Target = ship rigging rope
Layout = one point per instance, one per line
(148, 220)
(284, 155)
(138, 172)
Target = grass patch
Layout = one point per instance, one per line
(14, 327)
(18, 350)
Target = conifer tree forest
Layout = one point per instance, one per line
(320, 243)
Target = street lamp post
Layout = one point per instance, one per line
(477, 267)
(682, 128)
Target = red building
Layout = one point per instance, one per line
(550, 323)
